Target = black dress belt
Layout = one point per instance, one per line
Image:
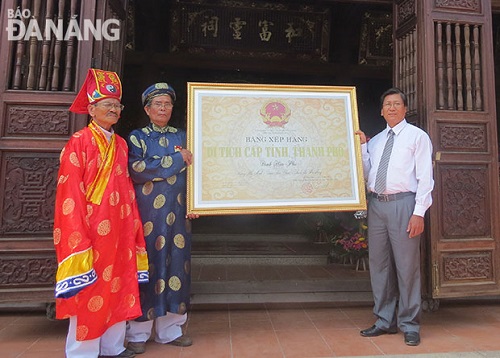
(390, 197)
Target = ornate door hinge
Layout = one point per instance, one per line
(435, 279)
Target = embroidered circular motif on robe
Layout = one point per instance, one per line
(148, 228)
(139, 166)
(57, 235)
(163, 142)
(68, 206)
(104, 227)
(180, 199)
(81, 332)
(130, 300)
(74, 239)
(134, 141)
(73, 158)
(144, 146)
(166, 162)
(171, 180)
(130, 254)
(91, 164)
(160, 242)
(114, 198)
(174, 283)
(82, 187)
(125, 210)
(96, 255)
(137, 224)
(160, 286)
(151, 314)
(170, 219)
(179, 241)
(107, 273)
(147, 188)
(159, 201)
(62, 179)
(95, 303)
(131, 194)
(119, 170)
(116, 285)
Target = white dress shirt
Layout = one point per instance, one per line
(410, 165)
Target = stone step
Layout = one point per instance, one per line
(210, 237)
(201, 300)
(245, 249)
(236, 284)
(259, 259)
(240, 269)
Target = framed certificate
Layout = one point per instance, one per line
(273, 149)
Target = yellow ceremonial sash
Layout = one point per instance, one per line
(95, 190)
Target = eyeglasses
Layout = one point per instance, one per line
(159, 105)
(108, 106)
(396, 105)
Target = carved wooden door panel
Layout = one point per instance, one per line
(444, 61)
(40, 78)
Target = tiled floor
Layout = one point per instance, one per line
(258, 331)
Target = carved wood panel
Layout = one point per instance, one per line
(464, 197)
(38, 120)
(29, 193)
(467, 266)
(460, 137)
(472, 6)
(31, 271)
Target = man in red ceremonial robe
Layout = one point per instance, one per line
(98, 232)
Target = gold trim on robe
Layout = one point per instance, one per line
(107, 149)
(75, 273)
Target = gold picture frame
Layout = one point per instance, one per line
(261, 149)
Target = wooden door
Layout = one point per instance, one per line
(444, 61)
(40, 78)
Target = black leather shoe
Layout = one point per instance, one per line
(412, 338)
(374, 331)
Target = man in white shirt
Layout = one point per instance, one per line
(399, 183)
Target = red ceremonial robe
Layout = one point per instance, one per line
(98, 235)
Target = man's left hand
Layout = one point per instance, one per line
(415, 226)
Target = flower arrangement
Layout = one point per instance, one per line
(351, 242)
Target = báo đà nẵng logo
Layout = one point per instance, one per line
(22, 26)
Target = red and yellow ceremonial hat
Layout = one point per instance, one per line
(98, 85)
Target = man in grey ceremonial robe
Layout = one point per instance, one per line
(397, 165)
